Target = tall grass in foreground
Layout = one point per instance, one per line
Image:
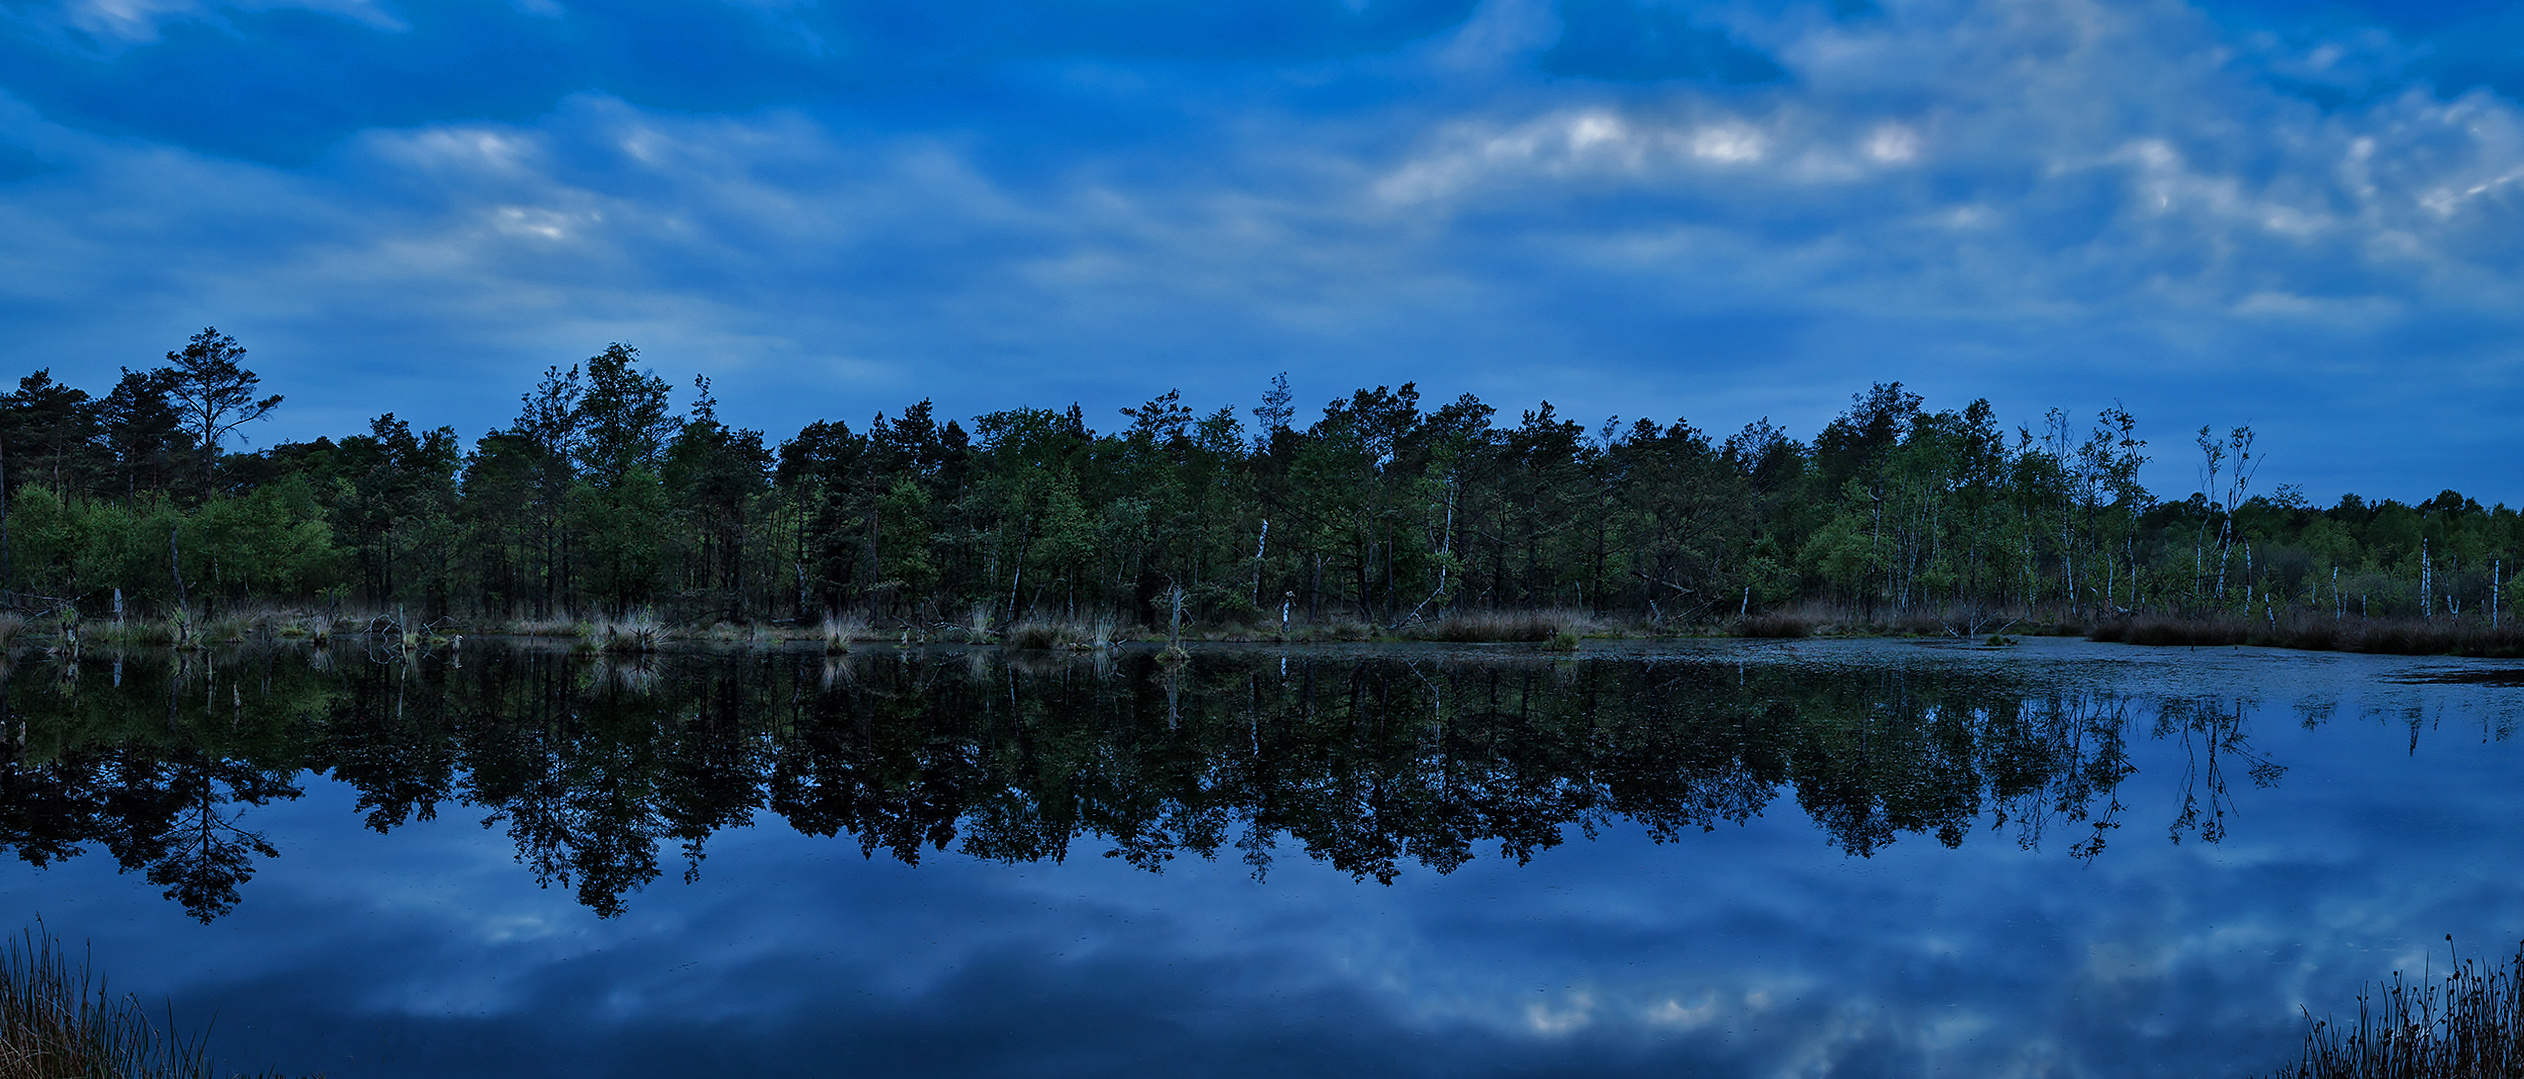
(2470, 1026)
(57, 1021)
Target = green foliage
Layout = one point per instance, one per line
(1381, 513)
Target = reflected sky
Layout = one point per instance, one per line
(2364, 803)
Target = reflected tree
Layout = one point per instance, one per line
(1371, 764)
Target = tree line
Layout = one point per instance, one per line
(607, 494)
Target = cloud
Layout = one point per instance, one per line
(2053, 202)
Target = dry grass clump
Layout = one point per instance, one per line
(838, 630)
(1037, 634)
(2469, 1026)
(636, 633)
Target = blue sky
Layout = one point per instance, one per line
(2298, 217)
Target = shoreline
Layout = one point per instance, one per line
(1562, 631)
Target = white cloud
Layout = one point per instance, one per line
(131, 22)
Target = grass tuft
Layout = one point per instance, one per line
(838, 630)
(636, 633)
(2469, 1025)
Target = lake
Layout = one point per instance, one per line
(1720, 858)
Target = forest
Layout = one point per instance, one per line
(614, 493)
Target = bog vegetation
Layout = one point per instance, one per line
(612, 496)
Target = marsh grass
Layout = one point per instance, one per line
(1036, 634)
(634, 633)
(1776, 625)
(57, 1020)
(132, 631)
(2469, 1025)
(2318, 632)
(562, 626)
(225, 629)
(1335, 630)
(1076, 634)
(1544, 625)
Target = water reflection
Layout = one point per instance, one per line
(602, 771)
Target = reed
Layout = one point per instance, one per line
(2469, 1025)
(58, 1020)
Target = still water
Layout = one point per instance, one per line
(1843, 858)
